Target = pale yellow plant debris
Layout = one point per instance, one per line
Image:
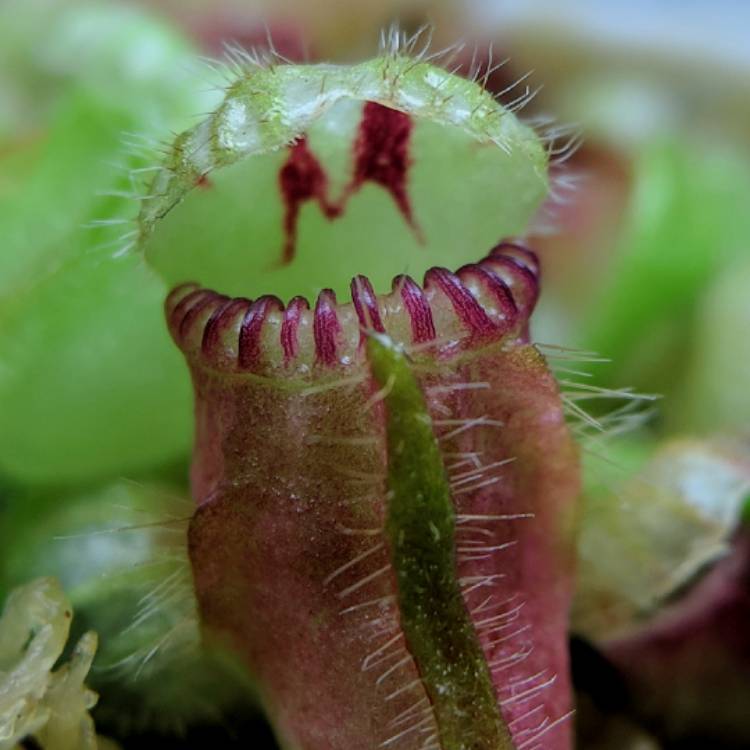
(51, 706)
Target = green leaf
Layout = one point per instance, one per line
(421, 528)
(686, 220)
(89, 382)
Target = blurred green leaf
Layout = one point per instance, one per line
(90, 384)
(687, 219)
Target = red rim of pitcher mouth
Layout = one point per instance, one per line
(486, 300)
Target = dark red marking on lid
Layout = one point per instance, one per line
(302, 178)
(380, 154)
(204, 182)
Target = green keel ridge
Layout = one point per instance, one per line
(420, 527)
